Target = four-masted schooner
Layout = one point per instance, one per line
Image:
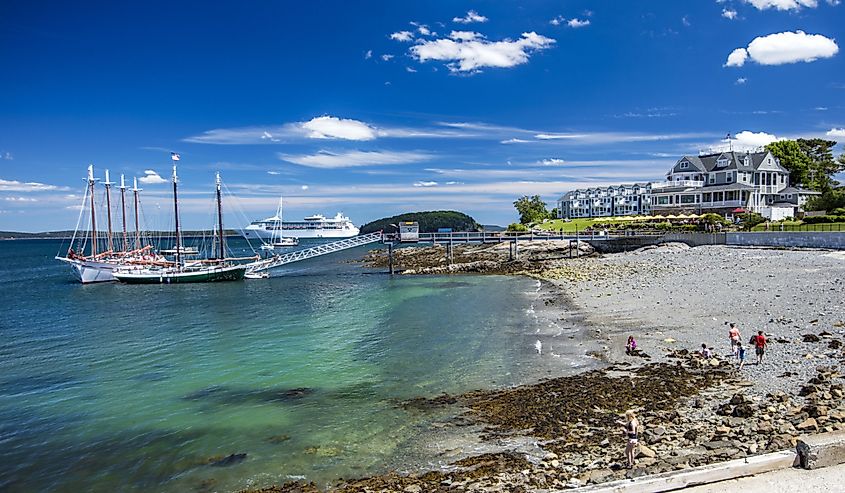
(99, 266)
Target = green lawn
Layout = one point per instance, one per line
(799, 226)
(568, 227)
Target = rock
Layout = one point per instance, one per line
(808, 424)
(810, 338)
(743, 410)
(599, 475)
(691, 435)
(738, 399)
(228, 460)
(644, 451)
(413, 488)
(722, 430)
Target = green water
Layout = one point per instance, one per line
(117, 387)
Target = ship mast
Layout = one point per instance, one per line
(123, 210)
(91, 191)
(222, 246)
(176, 214)
(135, 191)
(108, 185)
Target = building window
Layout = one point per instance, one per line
(712, 178)
(729, 177)
(684, 165)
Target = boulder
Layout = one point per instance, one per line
(826, 449)
(808, 424)
(644, 451)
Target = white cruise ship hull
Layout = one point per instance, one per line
(252, 232)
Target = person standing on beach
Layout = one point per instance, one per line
(760, 344)
(735, 338)
(740, 353)
(631, 430)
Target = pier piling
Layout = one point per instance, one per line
(390, 257)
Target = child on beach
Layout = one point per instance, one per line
(740, 353)
(631, 431)
(705, 351)
(760, 344)
(630, 346)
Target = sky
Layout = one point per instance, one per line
(379, 108)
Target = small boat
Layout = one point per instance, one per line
(276, 238)
(181, 271)
(183, 250)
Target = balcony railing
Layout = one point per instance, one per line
(677, 183)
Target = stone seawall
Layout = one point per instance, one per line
(789, 239)
(776, 239)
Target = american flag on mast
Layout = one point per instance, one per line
(174, 156)
(727, 137)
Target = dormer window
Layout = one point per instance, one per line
(722, 162)
(684, 164)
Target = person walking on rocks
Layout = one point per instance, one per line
(740, 354)
(631, 430)
(735, 338)
(760, 343)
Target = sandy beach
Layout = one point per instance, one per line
(693, 411)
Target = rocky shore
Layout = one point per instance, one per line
(693, 410)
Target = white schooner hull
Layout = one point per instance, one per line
(89, 271)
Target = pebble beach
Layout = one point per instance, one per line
(693, 411)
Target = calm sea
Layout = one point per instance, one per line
(112, 387)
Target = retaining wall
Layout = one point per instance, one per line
(789, 239)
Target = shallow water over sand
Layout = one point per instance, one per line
(115, 387)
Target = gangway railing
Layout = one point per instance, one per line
(306, 253)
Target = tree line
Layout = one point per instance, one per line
(812, 165)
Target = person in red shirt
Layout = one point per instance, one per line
(761, 343)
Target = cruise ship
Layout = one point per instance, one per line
(316, 226)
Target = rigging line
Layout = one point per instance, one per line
(78, 221)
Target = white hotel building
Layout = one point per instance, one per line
(725, 183)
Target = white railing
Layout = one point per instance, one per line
(677, 183)
(335, 246)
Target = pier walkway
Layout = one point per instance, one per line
(306, 253)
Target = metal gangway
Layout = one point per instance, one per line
(306, 253)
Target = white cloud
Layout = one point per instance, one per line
(423, 29)
(368, 54)
(783, 48)
(558, 20)
(612, 137)
(425, 184)
(7, 156)
(836, 132)
(465, 35)
(32, 186)
(411, 70)
(745, 141)
(350, 159)
(551, 161)
(685, 21)
(737, 58)
(332, 127)
(304, 187)
(740, 81)
(151, 178)
(470, 56)
(386, 57)
(402, 36)
(783, 4)
(515, 141)
(274, 173)
(472, 16)
(19, 199)
(576, 23)
(820, 108)
(729, 14)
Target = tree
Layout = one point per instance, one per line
(531, 209)
(792, 157)
(822, 163)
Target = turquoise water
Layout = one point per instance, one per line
(115, 387)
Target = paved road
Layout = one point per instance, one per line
(829, 479)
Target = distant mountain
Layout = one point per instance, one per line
(492, 228)
(430, 222)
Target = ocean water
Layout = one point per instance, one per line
(113, 387)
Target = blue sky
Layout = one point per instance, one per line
(379, 108)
